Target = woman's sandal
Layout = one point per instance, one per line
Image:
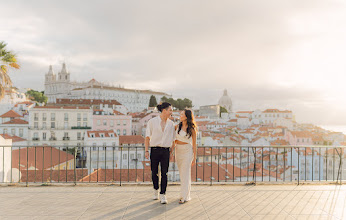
(181, 201)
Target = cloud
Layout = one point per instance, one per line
(259, 50)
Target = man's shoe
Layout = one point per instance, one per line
(156, 194)
(163, 199)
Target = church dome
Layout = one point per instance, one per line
(226, 101)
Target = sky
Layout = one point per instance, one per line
(286, 54)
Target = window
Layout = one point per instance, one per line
(13, 131)
(66, 125)
(85, 124)
(98, 122)
(111, 123)
(79, 117)
(85, 117)
(118, 131)
(79, 135)
(124, 156)
(124, 122)
(118, 122)
(94, 146)
(35, 135)
(44, 136)
(44, 117)
(78, 124)
(132, 156)
(65, 134)
(36, 116)
(66, 117)
(52, 116)
(44, 125)
(124, 132)
(36, 125)
(20, 132)
(104, 122)
(52, 124)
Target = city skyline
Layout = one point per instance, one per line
(288, 58)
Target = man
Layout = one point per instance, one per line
(160, 137)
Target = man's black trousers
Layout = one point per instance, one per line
(159, 155)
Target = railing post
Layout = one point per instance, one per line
(42, 163)
(211, 166)
(74, 166)
(262, 163)
(341, 156)
(121, 161)
(298, 167)
(27, 163)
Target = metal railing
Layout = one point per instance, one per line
(119, 164)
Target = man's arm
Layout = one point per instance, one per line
(147, 139)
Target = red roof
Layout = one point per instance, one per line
(86, 102)
(62, 107)
(131, 139)
(11, 114)
(49, 152)
(14, 138)
(52, 175)
(117, 113)
(16, 121)
(110, 175)
(24, 103)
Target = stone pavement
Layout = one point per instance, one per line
(208, 202)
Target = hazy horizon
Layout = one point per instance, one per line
(268, 54)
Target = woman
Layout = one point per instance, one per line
(185, 151)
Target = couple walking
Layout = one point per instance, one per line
(163, 138)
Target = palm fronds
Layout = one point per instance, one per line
(7, 60)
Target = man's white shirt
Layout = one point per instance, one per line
(157, 136)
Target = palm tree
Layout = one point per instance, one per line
(7, 60)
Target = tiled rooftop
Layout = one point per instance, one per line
(208, 202)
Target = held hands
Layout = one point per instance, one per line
(194, 159)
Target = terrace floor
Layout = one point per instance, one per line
(208, 202)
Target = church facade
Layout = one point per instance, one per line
(60, 86)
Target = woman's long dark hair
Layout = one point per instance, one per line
(191, 124)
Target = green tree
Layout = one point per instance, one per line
(152, 101)
(7, 60)
(222, 110)
(180, 104)
(37, 96)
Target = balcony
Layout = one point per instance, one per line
(35, 139)
(52, 139)
(241, 183)
(66, 138)
(80, 127)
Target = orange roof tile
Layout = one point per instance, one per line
(131, 139)
(11, 114)
(16, 121)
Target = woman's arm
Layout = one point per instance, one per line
(194, 146)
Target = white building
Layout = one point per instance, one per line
(101, 150)
(12, 123)
(62, 87)
(11, 97)
(226, 102)
(58, 126)
(5, 159)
